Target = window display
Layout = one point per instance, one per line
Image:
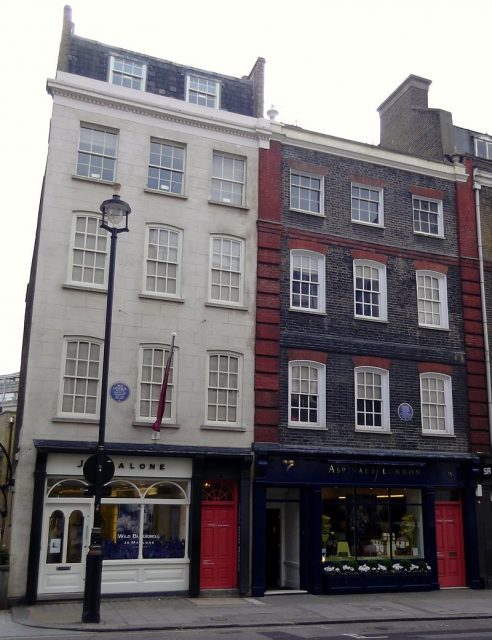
(361, 523)
(145, 520)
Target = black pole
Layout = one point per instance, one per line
(93, 564)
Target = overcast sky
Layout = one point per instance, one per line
(329, 65)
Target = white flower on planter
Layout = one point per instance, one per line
(382, 567)
(397, 567)
(347, 567)
(364, 568)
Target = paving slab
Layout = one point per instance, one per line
(159, 613)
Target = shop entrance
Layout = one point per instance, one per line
(282, 540)
(65, 543)
(218, 566)
(450, 548)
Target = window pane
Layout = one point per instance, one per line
(120, 531)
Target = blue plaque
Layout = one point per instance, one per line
(405, 411)
(119, 391)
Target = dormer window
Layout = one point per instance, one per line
(127, 73)
(483, 148)
(202, 91)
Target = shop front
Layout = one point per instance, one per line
(161, 527)
(484, 515)
(328, 523)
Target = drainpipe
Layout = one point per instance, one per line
(477, 188)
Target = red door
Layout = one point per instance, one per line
(218, 568)
(450, 549)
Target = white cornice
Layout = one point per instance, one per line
(100, 93)
(484, 178)
(324, 143)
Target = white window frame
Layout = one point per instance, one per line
(313, 257)
(80, 378)
(309, 188)
(222, 391)
(443, 409)
(222, 270)
(384, 399)
(155, 384)
(228, 183)
(82, 253)
(97, 149)
(128, 71)
(167, 171)
(158, 256)
(357, 198)
(440, 302)
(295, 386)
(487, 148)
(381, 294)
(417, 210)
(203, 94)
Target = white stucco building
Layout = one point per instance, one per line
(183, 144)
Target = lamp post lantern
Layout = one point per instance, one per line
(115, 220)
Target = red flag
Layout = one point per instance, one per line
(156, 427)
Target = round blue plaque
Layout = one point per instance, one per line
(119, 391)
(405, 411)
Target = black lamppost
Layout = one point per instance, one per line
(115, 220)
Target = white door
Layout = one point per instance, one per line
(66, 531)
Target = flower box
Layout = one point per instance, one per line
(352, 576)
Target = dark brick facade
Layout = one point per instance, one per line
(336, 336)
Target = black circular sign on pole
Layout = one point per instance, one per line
(90, 469)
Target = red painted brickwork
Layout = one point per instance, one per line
(308, 245)
(264, 364)
(267, 301)
(268, 286)
(472, 313)
(266, 398)
(473, 326)
(300, 165)
(425, 192)
(267, 331)
(467, 224)
(307, 354)
(362, 254)
(477, 395)
(268, 256)
(430, 266)
(266, 381)
(266, 434)
(267, 348)
(266, 416)
(435, 367)
(268, 316)
(371, 361)
(269, 192)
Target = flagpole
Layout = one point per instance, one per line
(156, 427)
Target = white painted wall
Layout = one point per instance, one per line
(61, 311)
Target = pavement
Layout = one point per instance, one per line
(287, 609)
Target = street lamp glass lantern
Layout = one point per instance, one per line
(115, 213)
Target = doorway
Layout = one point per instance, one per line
(218, 556)
(282, 537)
(64, 548)
(450, 547)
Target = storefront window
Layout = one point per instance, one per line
(371, 523)
(145, 520)
(141, 519)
